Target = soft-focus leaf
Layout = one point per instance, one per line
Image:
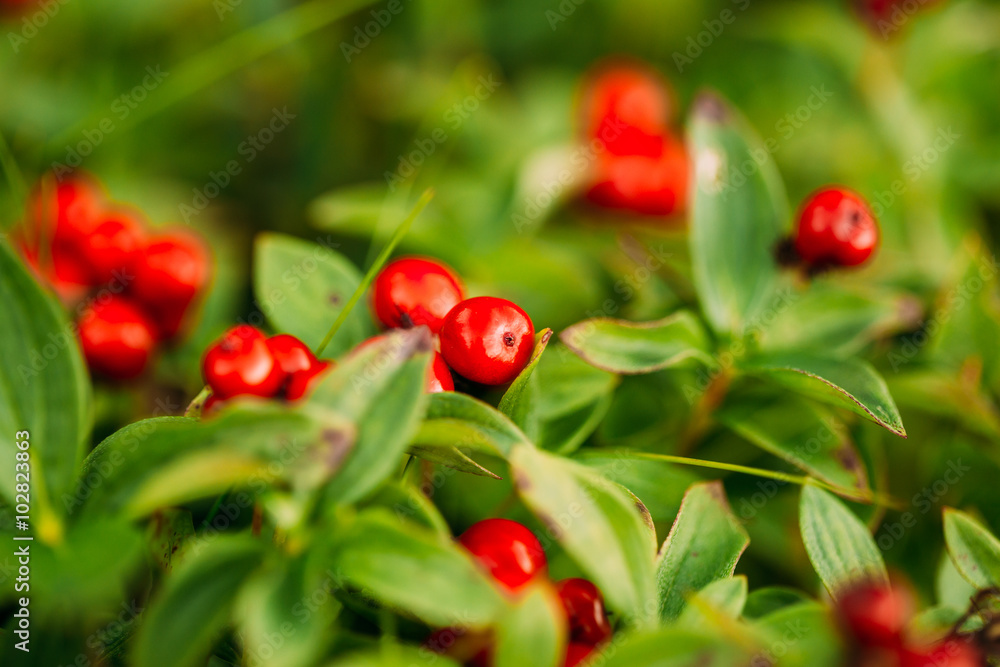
(722, 598)
(457, 420)
(736, 220)
(764, 601)
(974, 549)
(839, 545)
(848, 383)
(452, 457)
(801, 635)
(302, 286)
(619, 346)
(597, 522)
(703, 546)
(182, 622)
(533, 631)
(44, 388)
(677, 647)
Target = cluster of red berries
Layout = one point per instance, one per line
(640, 165)
(874, 618)
(484, 339)
(245, 362)
(134, 288)
(514, 558)
(836, 228)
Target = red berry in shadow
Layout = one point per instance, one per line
(413, 291)
(836, 228)
(241, 363)
(487, 340)
(584, 606)
(506, 549)
(577, 654)
(117, 338)
(875, 615)
(170, 272)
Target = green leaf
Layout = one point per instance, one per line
(520, 401)
(765, 601)
(677, 647)
(723, 598)
(414, 571)
(619, 346)
(533, 631)
(379, 389)
(807, 635)
(182, 623)
(847, 383)
(566, 433)
(44, 388)
(392, 655)
(799, 432)
(302, 286)
(703, 546)
(839, 545)
(407, 502)
(457, 420)
(950, 395)
(736, 220)
(973, 549)
(600, 525)
(452, 457)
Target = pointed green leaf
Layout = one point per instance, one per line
(533, 631)
(458, 420)
(973, 549)
(520, 401)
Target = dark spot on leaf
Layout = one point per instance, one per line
(337, 443)
(711, 107)
(521, 480)
(335, 299)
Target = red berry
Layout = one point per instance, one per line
(117, 338)
(291, 353)
(170, 272)
(584, 607)
(112, 247)
(836, 227)
(66, 211)
(576, 654)
(951, 653)
(414, 291)
(241, 363)
(487, 340)
(438, 374)
(508, 550)
(875, 615)
(643, 185)
(302, 383)
(627, 108)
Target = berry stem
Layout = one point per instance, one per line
(373, 270)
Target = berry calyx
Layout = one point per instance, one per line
(584, 606)
(506, 549)
(487, 340)
(241, 363)
(170, 272)
(836, 228)
(413, 291)
(117, 338)
(875, 615)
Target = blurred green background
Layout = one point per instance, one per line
(910, 119)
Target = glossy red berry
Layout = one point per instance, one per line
(837, 228)
(112, 247)
(577, 654)
(643, 185)
(415, 290)
(584, 606)
(301, 383)
(626, 108)
(506, 549)
(170, 272)
(487, 340)
(117, 338)
(291, 353)
(875, 615)
(241, 363)
(438, 374)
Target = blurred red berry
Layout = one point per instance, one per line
(112, 247)
(212, 404)
(241, 363)
(875, 615)
(117, 338)
(291, 353)
(301, 383)
(508, 550)
(836, 227)
(487, 340)
(415, 290)
(66, 211)
(950, 653)
(627, 109)
(170, 272)
(584, 606)
(642, 185)
(577, 653)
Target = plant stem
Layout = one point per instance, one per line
(366, 282)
